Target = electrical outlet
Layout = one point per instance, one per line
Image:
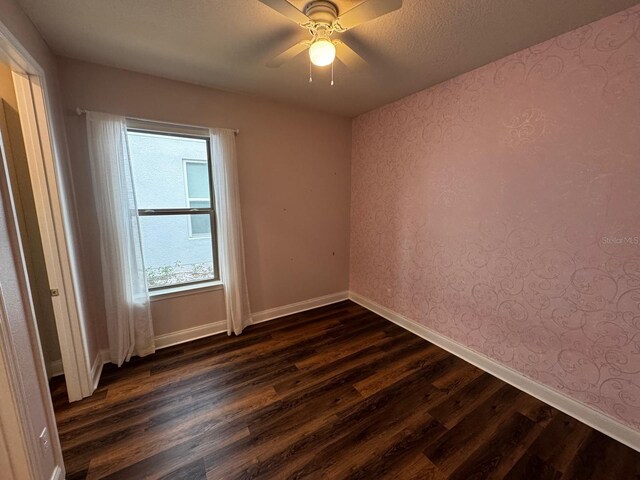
(44, 440)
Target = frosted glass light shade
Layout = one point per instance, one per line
(322, 53)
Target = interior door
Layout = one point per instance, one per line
(27, 422)
(30, 233)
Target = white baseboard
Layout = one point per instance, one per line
(189, 334)
(277, 312)
(201, 331)
(595, 419)
(55, 368)
(106, 355)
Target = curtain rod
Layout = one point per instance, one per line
(236, 131)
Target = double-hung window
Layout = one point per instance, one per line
(174, 191)
(197, 190)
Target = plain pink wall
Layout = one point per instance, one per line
(490, 208)
(294, 167)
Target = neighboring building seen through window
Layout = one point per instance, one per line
(197, 176)
(172, 177)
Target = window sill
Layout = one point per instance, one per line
(181, 291)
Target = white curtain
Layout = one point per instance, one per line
(231, 247)
(125, 285)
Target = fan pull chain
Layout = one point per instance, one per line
(332, 73)
(310, 76)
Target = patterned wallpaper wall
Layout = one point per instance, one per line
(502, 209)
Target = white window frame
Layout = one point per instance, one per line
(152, 127)
(185, 162)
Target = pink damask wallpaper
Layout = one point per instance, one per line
(502, 209)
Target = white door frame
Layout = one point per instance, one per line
(33, 108)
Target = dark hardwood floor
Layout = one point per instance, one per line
(336, 392)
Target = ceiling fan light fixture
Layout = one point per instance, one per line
(322, 52)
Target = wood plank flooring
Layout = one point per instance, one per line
(336, 392)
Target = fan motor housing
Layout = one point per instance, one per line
(321, 11)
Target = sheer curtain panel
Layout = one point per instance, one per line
(231, 247)
(125, 286)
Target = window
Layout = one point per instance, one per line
(174, 191)
(197, 186)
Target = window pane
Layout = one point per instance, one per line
(171, 256)
(197, 180)
(200, 224)
(159, 170)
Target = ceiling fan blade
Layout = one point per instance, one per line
(351, 59)
(288, 54)
(367, 11)
(285, 8)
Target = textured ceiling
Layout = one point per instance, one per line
(225, 43)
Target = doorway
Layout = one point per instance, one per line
(23, 198)
(29, 446)
(56, 286)
(38, 289)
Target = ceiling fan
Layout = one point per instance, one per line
(322, 19)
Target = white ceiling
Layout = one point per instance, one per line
(225, 43)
